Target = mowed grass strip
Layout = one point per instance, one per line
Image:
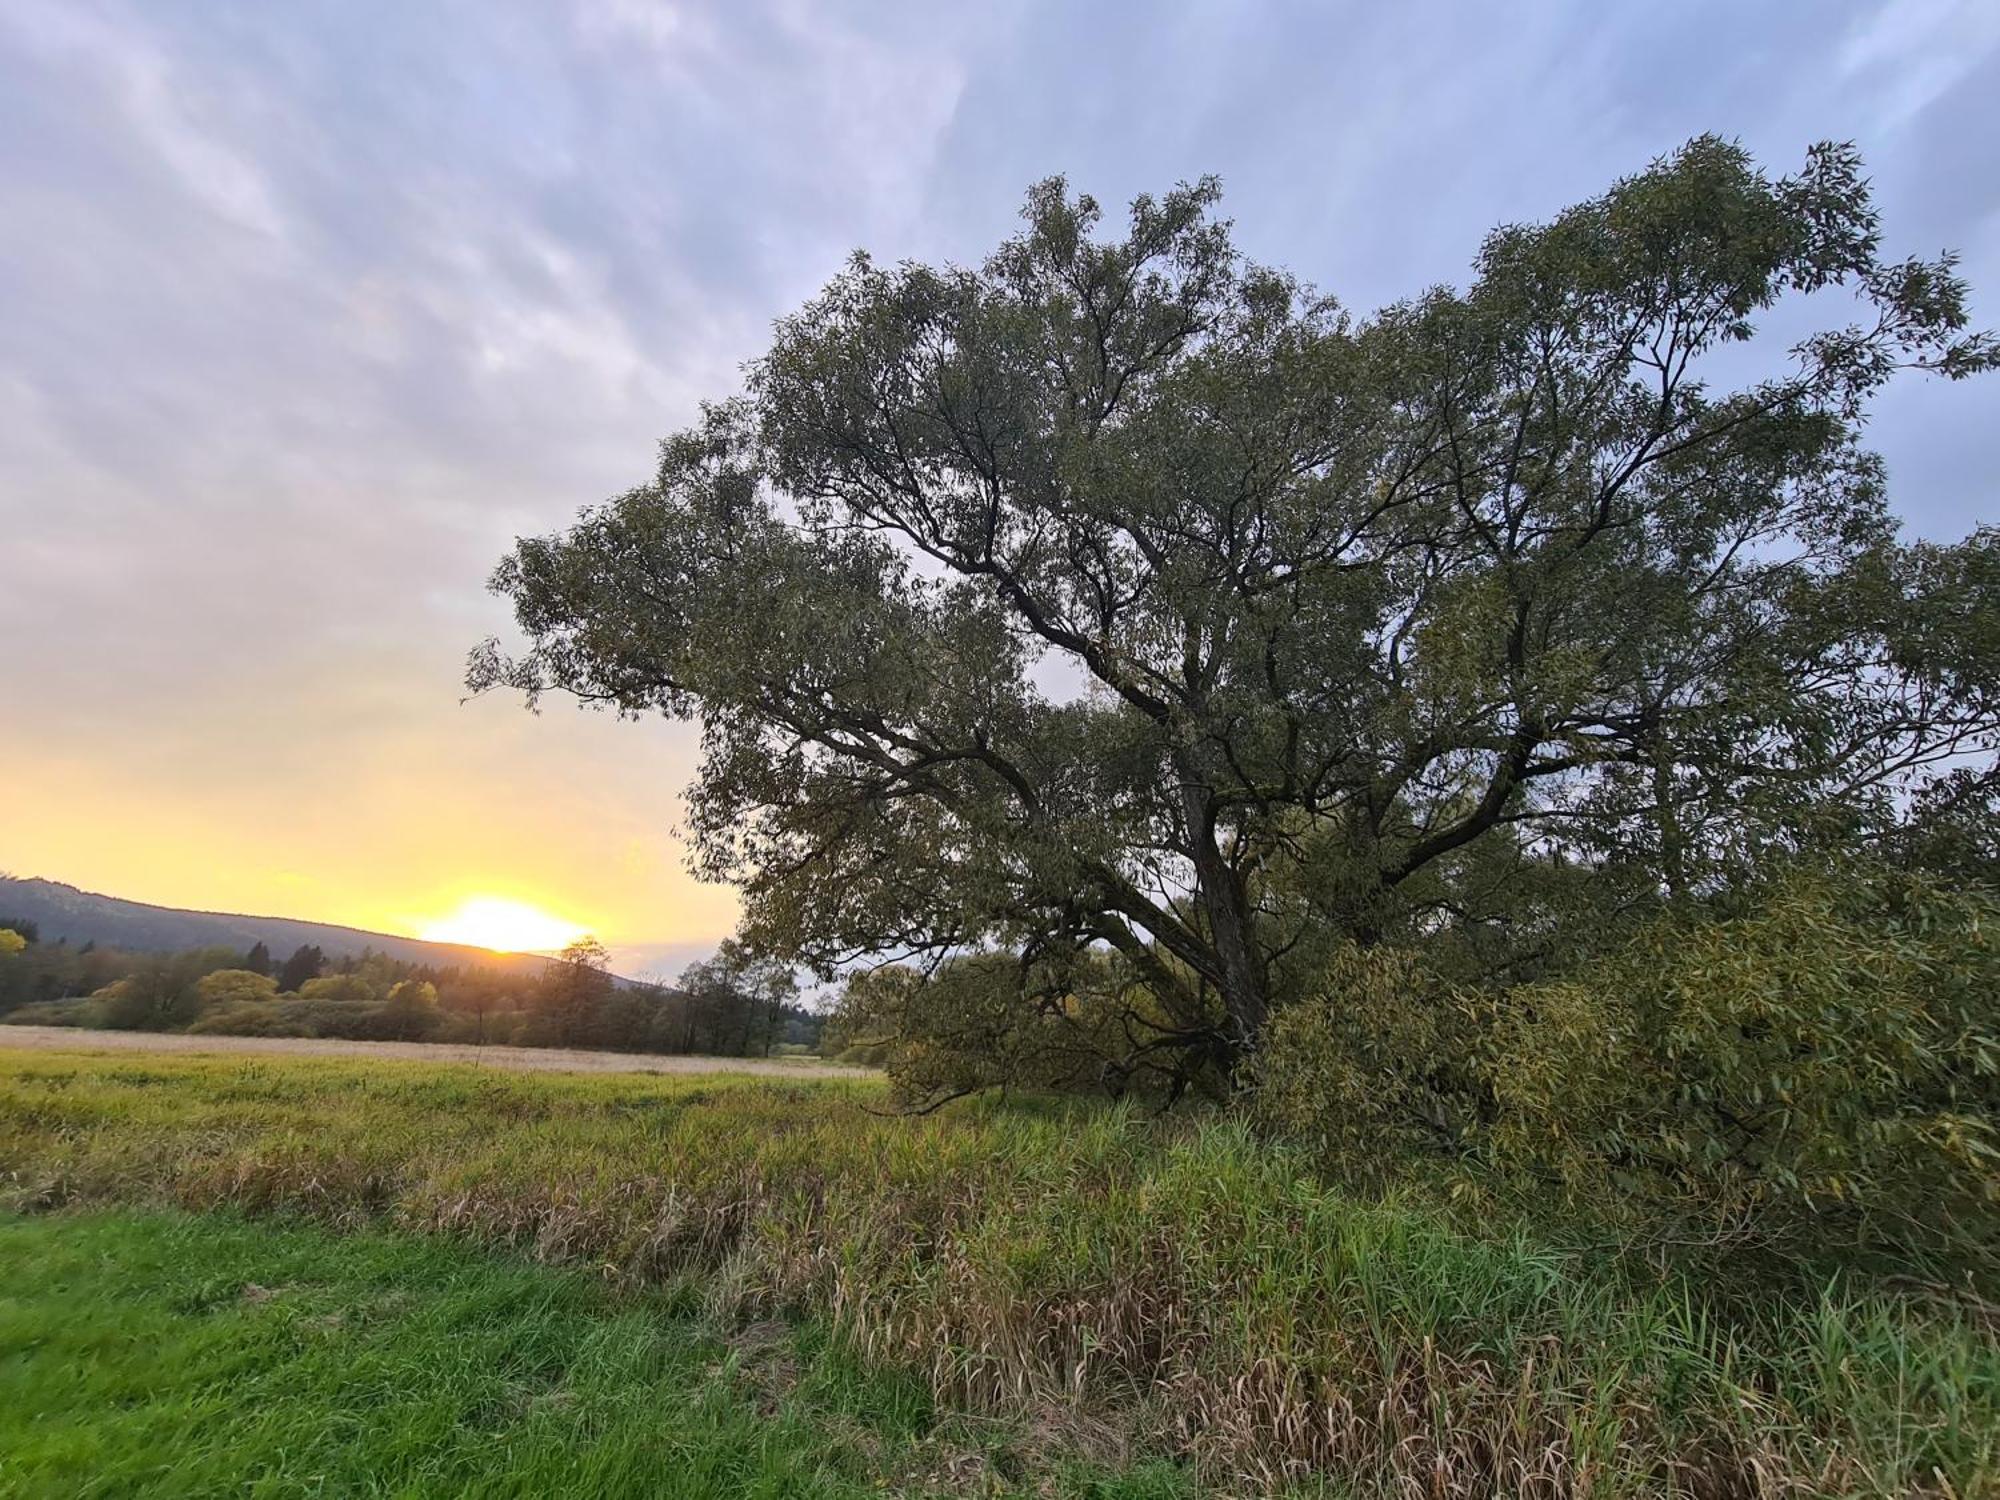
(159, 1354)
(1173, 1286)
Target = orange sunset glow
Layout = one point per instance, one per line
(563, 822)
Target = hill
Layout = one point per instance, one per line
(64, 912)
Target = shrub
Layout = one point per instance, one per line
(990, 1020)
(161, 993)
(244, 1018)
(1376, 1066)
(344, 989)
(300, 1016)
(235, 987)
(76, 1011)
(411, 1012)
(353, 1020)
(1828, 1049)
(1817, 1056)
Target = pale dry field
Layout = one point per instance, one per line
(530, 1059)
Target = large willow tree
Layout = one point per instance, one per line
(1128, 597)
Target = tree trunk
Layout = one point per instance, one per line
(1240, 976)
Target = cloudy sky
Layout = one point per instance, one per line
(306, 310)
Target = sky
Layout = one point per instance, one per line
(308, 310)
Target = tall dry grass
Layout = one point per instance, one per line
(1172, 1284)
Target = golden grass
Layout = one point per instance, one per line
(526, 1059)
(1175, 1285)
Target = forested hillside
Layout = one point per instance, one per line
(62, 913)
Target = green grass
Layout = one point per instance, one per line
(160, 1354)
(1110, 1282)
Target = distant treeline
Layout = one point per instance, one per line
(729, 1006)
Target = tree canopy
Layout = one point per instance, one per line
(301, 968)
(1123, 596)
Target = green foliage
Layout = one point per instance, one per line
(1827, 1049)
(52, 972)
(570, 997)
(162, 991)
(1378, 1066)
(411, 1011)
(1815, 1058)
(945, 1035)
(989, 1021)
(1524, 573)
(744, 1005)
(11, 942)
(301, 1016)
(81, 1010)
(341, 989)
(235, 987)
(304, 965)
(740, 998)
(290, 1017)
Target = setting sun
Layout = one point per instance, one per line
(504, 926)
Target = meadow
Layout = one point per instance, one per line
(165, 1354)
(1029, 1296)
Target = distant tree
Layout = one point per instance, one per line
(572, 993)
(161, 992)
(586, 952)
(11, 941)
(707, 1008)
(22, 927)
(1361, 607)
(737, 1001)
(304, 964)
(258, 959)
(385, 973)
(628, 1019)
(56, 971)
(345, 989)
(235, 987)
(479, 994)
(411, 1011)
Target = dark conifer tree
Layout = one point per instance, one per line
(305, 963)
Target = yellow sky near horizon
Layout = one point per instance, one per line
(569, 813)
